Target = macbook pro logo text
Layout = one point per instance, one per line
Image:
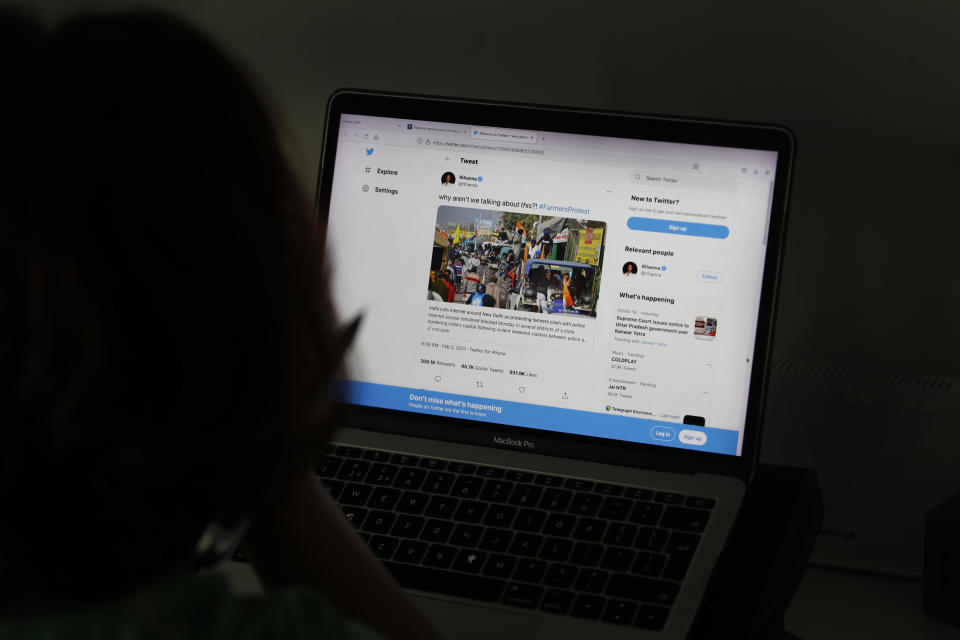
(510, 442)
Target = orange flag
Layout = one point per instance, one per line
(567, 298)
(520, 227)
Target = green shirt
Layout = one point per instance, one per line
(190, 607)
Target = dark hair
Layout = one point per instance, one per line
(165, 344)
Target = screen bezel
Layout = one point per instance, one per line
(586, 122)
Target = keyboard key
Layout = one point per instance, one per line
(490, 472)
(685, 519)
(404, 459)
(669, 498)
(589, 529)
(649, 564)
(619, 612)
(445, 582)
(384, 498)
(410, 478)
(525, 495)
(438, 482)
(436, 531)
(383, 546)
(364, 536)
(333, 487)
(591, 580)
(586, 554)
(548, 481)
(349, 452)
(496, 490)
(556, 549)
(555, 500)
(651, 617)
(526, 544)
(701, 503)
(327, 466)
(608, 489)
(682, 542)
(646, 512)
(522, 595)
(499, 566)
(467, 487)
(578, 485)
(442, 507)
(651, 539)
(496, 540)
(677, 566)
(469, 511)
(620, 534)
(469, 560)
(530, 570)
(354, 515)
(408, 526)
(376, 456)
(439, 556)
(638, 494)
(617, 559)
(615, 509)
(557, 601)
(355, 494)
(412, 502)
(643, 589)
(519, 476)
(587, 606)
(353, 470)
(466, 535)
(410, 551)
(462, 467)
(560, 575)
(379, 522)
(585, 504)
(433, 464)
(529, 520)
(499, 515)
(382, 474)
(559, 525)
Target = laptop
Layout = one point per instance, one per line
(552, 405)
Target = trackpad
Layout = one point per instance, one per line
(476, 622)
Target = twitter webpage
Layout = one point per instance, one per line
(579, 284)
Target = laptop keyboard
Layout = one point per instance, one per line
(562, 545)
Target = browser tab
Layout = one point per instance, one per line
(504, 135)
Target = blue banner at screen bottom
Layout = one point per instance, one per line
(587, 423)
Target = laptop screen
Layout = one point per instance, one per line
(570, 283)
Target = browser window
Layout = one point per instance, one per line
(580, 284)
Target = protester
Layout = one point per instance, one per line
(451, 293)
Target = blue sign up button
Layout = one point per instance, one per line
(677, 227)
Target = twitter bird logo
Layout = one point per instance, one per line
(370, 151)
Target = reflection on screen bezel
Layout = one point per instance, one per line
(613, 124)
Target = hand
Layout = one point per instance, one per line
(304, 539)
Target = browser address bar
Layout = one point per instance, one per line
(503, 135)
